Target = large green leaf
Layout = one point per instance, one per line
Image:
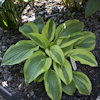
(56, 54)
(84, 56)
(82, 82)
(69, 41)
(66, 50)
(52, 85)
(70, 88)
(49, 30)
(39, 22)
(69, 28)
(87, 43)
(40, 78)
(36, 65)
(29, 27)
(39, 39)
(91, 7)
(64, 72)
(19, 52)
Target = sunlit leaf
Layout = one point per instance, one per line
(56, 54)
(82, 82)
(37, 64)
(49, 30)
(69, 28)
(29, 27)
(87, 42)
(84, 56)
(19, 52)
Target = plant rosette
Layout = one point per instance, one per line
(47, 52)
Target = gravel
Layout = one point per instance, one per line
(11, 77)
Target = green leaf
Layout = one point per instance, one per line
(69, 28)
(66, 50)
(70, 88)
(52, 85)
(56, 53)
(29, 27)
(39, 22)
(87, 43)
(37, 64)
(49, 30)
(40, 78)
(85, 57)
(64, 72)
(91, 7)
(19, 52)
(69, 41)
(39, 39)
(82, 82)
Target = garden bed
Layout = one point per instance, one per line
(11, 77)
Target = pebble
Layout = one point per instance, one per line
(0, 58)
(59, 14)
(9, 79)
(4, 48)
(32, 93)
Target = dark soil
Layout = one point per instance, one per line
(13, 75)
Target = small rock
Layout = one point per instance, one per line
(28, 95)
(4, 84)
(0, 59)
(32, 93)
(4, 48)
(61, 20)
(9, 79)
(98, 98)
(92, 71)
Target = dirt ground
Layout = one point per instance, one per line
(11, 77)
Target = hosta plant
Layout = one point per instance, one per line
(47, 53)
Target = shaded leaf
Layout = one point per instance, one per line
(64, 72)
(39, 39)
(39, 22)
(66, 42)
(91, 7)
(27, 28)
(66, 50)
(40, 78)
(70, 88)
(52, 85)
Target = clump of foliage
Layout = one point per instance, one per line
(91, 7)
(10, 14)
(47, 54)
(72, 4)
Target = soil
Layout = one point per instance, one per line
(11, 77)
